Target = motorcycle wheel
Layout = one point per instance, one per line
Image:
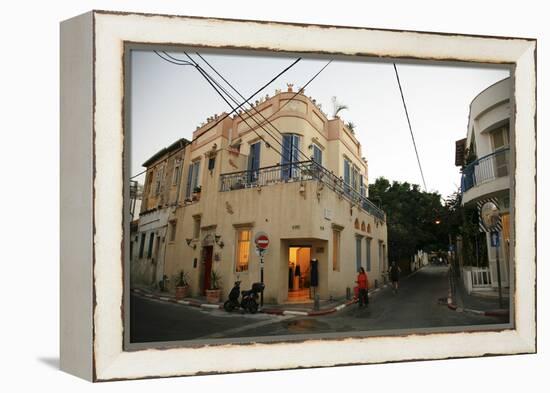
(252, 307)
(228, 306)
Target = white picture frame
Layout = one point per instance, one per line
(92, 140)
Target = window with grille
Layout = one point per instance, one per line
(368, 254)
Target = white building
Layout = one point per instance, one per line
(485, 157)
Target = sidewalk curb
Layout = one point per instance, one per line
(451, 304)
(197, 304)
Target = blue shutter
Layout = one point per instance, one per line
(358, 253)
(346, 175)
(188, 189)
(295, 155)
(290, 156)
(286, 156)
(254, 162)
(196, 167)
(368, 254)
(317, 155)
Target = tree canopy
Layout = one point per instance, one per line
(415, 219)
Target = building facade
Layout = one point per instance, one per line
(159, 200)
(485, 159)
(300, 178)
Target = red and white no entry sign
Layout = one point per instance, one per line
(261, 240)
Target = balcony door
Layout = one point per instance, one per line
(500, 139)
(254, 162)
(347, 175)
(290, 156)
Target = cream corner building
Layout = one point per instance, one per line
(205, 200)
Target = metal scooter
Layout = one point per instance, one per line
(232, 302)
(250, 297)
(249, 301)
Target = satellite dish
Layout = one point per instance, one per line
(490, 214)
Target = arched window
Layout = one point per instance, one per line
(363, 227)
(368, 228)
(356, 223)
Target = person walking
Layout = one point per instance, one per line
(394, 276)
(363, 284)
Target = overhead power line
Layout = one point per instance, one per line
(183, 62)
(180, 62)
(410, 127)
(279, 142)
(213, 83)
(266, 120)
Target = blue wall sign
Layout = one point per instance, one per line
(495, 239)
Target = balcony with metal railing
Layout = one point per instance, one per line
(297, 172)
(485, 171)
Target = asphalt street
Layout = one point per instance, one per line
(153, 320)
(417, 305)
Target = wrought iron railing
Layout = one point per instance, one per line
(297, 171)
(485, 169)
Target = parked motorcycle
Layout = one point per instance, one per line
(249, 301)
(233, 301)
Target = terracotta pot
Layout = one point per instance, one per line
(182, 292)
(213, 295)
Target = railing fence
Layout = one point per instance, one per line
(297, 171)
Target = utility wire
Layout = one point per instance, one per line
(251, 106)
(172, 60)
(180, 62)
(211, 83)
(410, 127)
(266, 120)
(183, 62)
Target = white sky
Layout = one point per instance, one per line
(169, 101)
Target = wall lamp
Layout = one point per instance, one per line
(188, 241)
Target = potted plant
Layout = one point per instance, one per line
(213, 294)
(197, 193)
(182, 285)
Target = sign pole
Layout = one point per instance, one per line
(497, 246)
(262, 242)
(490, 216)
(262, 277)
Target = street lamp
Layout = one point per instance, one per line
(490, 216)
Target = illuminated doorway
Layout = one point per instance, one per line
(299, 265)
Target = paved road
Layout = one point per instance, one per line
(153, 320)
(415, 306)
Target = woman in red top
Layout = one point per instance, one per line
(363, 284)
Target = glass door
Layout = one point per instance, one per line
(254, 162)
(291, 149)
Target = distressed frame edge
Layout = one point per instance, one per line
(76, 208)
(528, 339)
